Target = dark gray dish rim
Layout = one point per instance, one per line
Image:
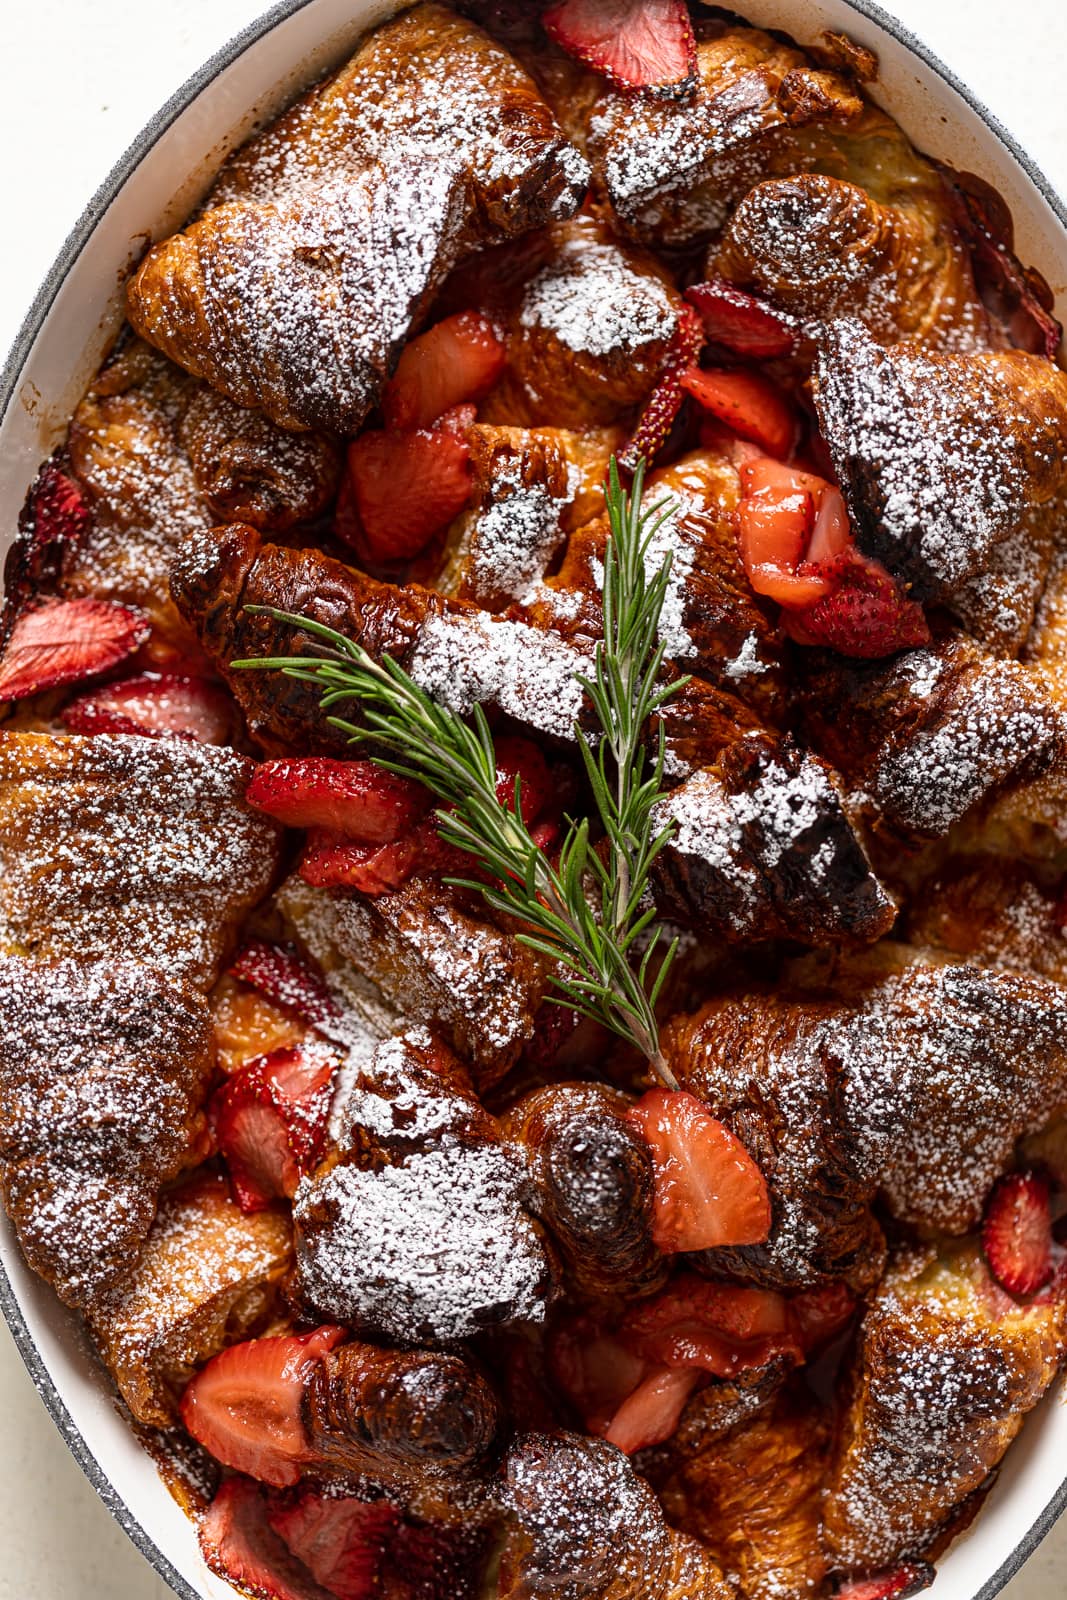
(35, 317)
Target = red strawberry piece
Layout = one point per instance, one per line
(651, 1414)
(910, 1578)
(458, 360)
(817, 1316)
(866, 614)
(663, 405)
(639, 44)
(66, 641)
(245, 1405)
(740, 322)
(457, 420)
(708, 1190)
(340, 1541)
(520, 760)
(270, 1121)
(407, 487)
(238, 1543)
(281, 975)
(760, 473)
(1017, 1232)
(358, 799)
(747, 402)
(719, 1328)
(156, 705)
(774, 528)
(53, 524)
(595, 1370)
(832, 533)
(331, 861)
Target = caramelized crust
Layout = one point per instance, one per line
(994, 913)
(135, 848)
(206, 1278)
(326, 237)
(103, 1069)
(947, 1367)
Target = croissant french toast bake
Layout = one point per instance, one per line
(533, 828)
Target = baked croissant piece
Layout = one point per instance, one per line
(128, 848)
(325, 237)
(941, 457)
(993, 912)
(103, 1069)
(947, 1367)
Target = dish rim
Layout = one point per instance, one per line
(94, 210)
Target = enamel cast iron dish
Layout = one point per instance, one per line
(65, 336)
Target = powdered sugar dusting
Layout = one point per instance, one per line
(594, 303)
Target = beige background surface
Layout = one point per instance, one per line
(78, 78)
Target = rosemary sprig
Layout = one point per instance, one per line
(590, 914)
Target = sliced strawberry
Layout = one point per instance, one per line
(244, 1406)
(330, 861)
(458, 360)
(157, 705)
(520, 761)
(238, 1543)
(760, 473)
(910, 1578)
(639, 44)
(747, 402)
(651, 1414)
(663, 405)
(53, 524)
(595, 1370)
(817, 1316)
(1017, 1232)
(407, 487)
(865, 614)
(708, 1190)
(740, 322)
(832, 533)
(270, 1121)
(66, 641)
(719, 1328)
(356, 798)
(340, 1541)
(281, 975)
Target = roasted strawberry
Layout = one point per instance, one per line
(270, 1120)
(457, 360)
(639, 44)
(358, 799)
(53, 524)
(1017, 1232)
(709, 1191)
(908, 1579)
(330, 861)
(740, 322)
(520, 761)
(663, 405)
(157, 705)
(651, 1414)
(595, 1370)
(407, 487)
(773, 531)
(865, 614)
(244, 1406)
(238, 1543)
(66, 641)
(719, 1328)
(281, 975)
(340, 1541)
(817, 1316)
(750, 404)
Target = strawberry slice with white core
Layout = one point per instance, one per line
(67, 641)
(270, 1121)
(740, 322)
(457, 361)
(750, 404)
(638, 44)
(651, 1414)
(340, 1541)
(358, 799)
(155, 705)
(912, 1577)
(1017, 1232)
(245, 1406)
(282, 976)
(237, 1542)
(406, 488)
(708, 1190)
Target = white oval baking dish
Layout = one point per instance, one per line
(75, 314)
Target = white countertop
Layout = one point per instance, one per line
(79, 81)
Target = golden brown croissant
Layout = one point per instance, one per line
(103, 1069)
(127, 847)
(206, 1277)
(993, 912)
(941, 457)
(947, 1367)
(755, 1498)
(584, 1526)
(326, 237)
